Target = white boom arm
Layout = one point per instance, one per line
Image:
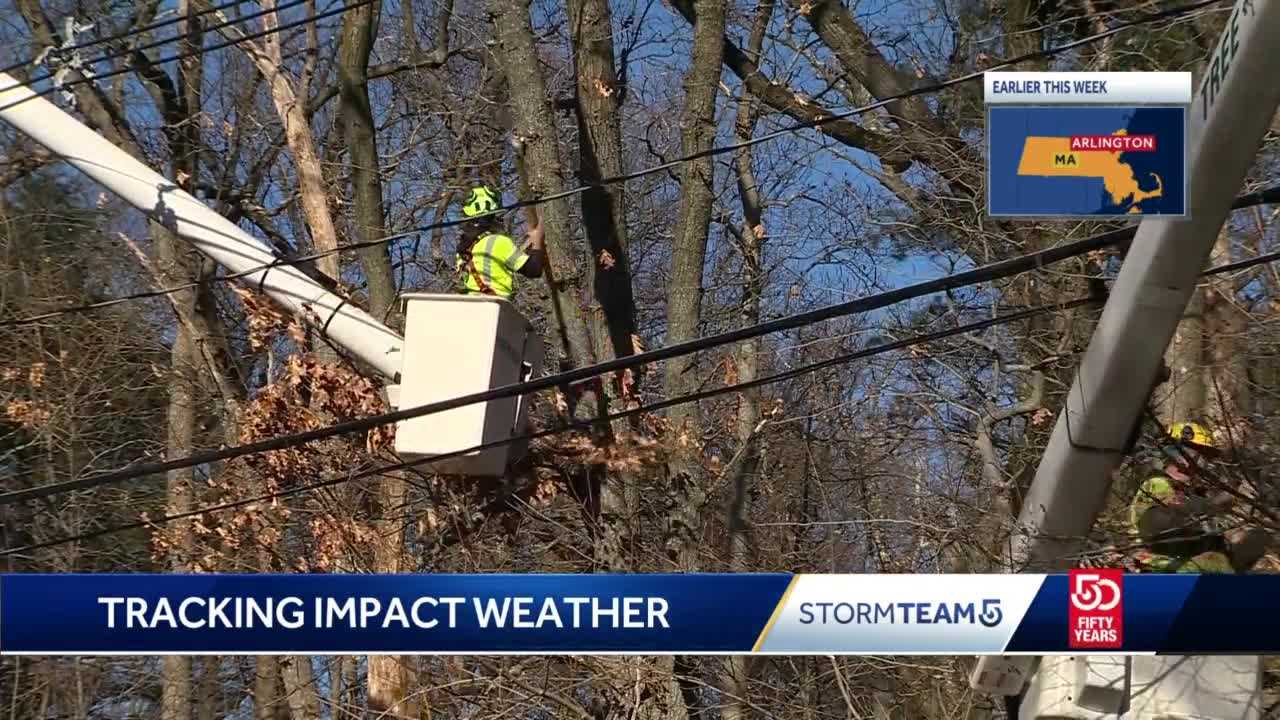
(348, 327)
(1237, 99)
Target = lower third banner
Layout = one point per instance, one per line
(1095, 610)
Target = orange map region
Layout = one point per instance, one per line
(1052, 157)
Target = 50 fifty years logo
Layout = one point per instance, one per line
(1096, 609)
(1091, 591)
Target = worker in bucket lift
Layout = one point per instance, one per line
(1179, 519)
(487, 259)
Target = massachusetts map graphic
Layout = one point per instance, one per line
(1086, 160)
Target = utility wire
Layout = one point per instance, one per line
(718, 150)
(200, 51)
(583, 425)
(124, 34)
(1244, 264)
(652, 407)
(985, 273)
(1266, 196)
(155, 44)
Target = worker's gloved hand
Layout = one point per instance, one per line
(536, 235)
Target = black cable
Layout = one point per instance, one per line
(1265, 196)
(719, 150)
(582, 425)
(986, 273)
(155, 44)
(200, 51)
(1244, 264)
(652, 407)
(127, 33)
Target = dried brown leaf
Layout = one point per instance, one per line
(35, 375)
(297, 332)
(730, 371)
(28, 414)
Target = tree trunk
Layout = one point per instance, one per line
(266, 676)
(1184, 397)
(387, 680)
(599, 96)
(300, 687)
(358, 28)
(684, 292)
(684, 308)
(291, 108)
(534, 128)
(210, 681)
(176, 695)
(735, 674)
(1227, 355)
(542, 173)
(389, 675)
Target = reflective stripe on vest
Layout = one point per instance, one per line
(493, 277)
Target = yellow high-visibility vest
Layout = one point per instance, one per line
(494, 261)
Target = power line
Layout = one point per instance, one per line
(1244, 264)
(583, 425)
(714, 151)
(985, 273)
(1266, 196)
(202, 50)
(652, 407)
(128, 33)
(159, 43)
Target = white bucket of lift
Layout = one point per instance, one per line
(1203, 687)
(1166, 687)
(460, 345)
(1076, 688)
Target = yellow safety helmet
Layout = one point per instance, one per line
(1193, 434)
(482, 202)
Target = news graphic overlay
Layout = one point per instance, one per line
(1096, 616)
(730, 614)
(900, 614)
(402, 614)
(1087, 144)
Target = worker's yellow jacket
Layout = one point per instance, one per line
(1158, 492)
(490, 270)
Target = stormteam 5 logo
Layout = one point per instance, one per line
(1095, 613)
